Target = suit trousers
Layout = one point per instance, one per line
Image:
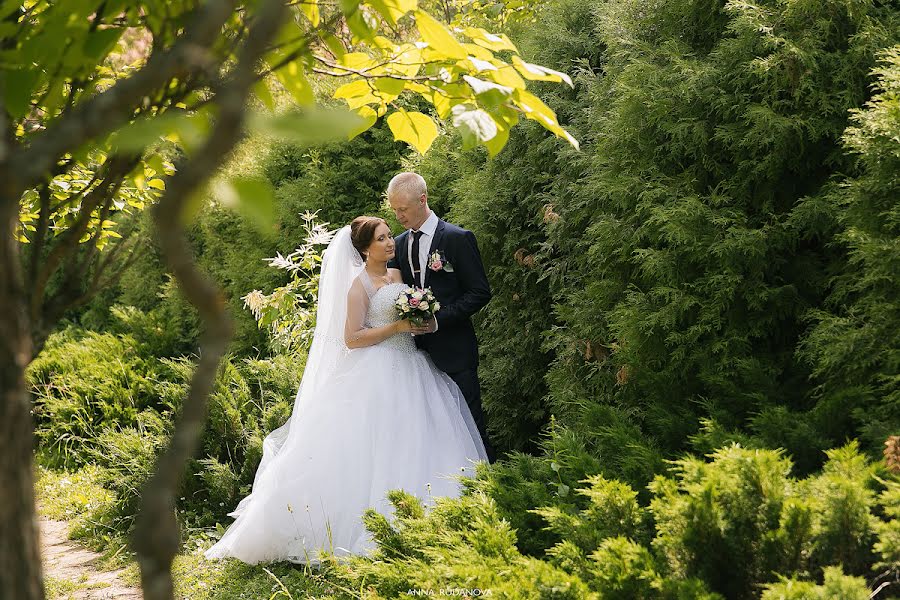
(467, 381)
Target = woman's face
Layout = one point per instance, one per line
(382, 247)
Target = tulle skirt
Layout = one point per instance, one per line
(389, 419)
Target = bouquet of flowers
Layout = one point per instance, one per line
(417, 304)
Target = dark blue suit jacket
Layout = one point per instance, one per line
(462, 293)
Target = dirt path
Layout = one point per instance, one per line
(75, 570)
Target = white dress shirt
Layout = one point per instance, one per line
(428, 228)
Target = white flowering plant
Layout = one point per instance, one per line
(289, 312)
(417, 304)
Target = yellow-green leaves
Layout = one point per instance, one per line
(261, 91)
(359, 93)
(181, 127)
(475, 125)
(414, 128)
(392, 10)
(438, 37)
(495, 43)
(539, 73)
(310, 9)
(535, 109)
(368, 118)
(294, 81)
(310, 127)
(459, 71)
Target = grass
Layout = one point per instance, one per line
(79, 499)
(199, 579)
(62, 589)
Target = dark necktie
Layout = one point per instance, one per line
(417, 269)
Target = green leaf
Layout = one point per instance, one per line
(310, 127)
(392, 10)
(496, 143)
(333, 43)
(390, 86)
(254, 198)
(261, 89)
(363, 25)
(295, 82)
(189, 129)
(368, 118)
(475, 125)
(446, 96)
(416, 129)
(539, 73)
(17, 88)
(535, 109)
(9, 7)
(361, 92)
(489, 93)
(495, 43)
(310, 9)
(438, 37)
(99, 43)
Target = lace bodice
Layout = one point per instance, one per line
(382, 312)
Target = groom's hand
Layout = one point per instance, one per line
(429, 327)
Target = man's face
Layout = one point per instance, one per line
(411, 212)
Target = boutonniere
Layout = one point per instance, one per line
(438, 262)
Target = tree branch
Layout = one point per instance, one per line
(156, 535)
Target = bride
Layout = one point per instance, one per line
(372, 414)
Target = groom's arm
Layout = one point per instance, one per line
(473, 280)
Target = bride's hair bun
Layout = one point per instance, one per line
(362, 231)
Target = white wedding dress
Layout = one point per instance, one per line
(365, 421)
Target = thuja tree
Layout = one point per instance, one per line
(686, 249)
(853, 345)
(708, 234)
(693, 244)
(78, 113)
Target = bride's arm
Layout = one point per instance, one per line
(356, 334)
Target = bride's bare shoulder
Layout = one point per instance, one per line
(396, 275)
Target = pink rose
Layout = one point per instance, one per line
(413, 301)
(436, 265)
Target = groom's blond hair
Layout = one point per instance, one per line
(408, 184)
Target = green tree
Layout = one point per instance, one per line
(691, 247)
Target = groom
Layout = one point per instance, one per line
(433, 253)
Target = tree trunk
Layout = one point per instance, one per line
(20, 559)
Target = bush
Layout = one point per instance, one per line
(101, 401)
(837, 585)
(739, 520)
(83, 382)
(734, 526)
